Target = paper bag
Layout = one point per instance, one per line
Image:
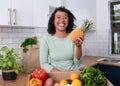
(31, 58)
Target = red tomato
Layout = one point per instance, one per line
(40, 74)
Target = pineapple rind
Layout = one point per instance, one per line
(76, 33)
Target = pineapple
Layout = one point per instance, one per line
(79, 32)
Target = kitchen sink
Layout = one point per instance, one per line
(109, 60)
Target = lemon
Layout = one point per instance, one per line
(74, 75)
(76, 82)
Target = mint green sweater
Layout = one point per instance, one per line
(60, 52)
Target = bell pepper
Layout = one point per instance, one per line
(35, 82)
(40, 73)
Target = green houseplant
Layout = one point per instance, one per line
(10, 62)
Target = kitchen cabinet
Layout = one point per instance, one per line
(111, 73)
(16, 12)
(42, 11)
(4, 12)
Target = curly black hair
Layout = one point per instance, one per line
(51, 26)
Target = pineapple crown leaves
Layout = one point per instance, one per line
(87, 25)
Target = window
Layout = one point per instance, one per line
(115, 27)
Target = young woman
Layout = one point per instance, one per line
(63, 53)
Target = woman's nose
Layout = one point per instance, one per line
(62, 19)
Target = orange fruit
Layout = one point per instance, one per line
(74, 76)
(76, 82)
(63, 82)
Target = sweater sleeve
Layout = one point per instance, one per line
(44, 55)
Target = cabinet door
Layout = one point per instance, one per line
(23, 14)
(4, 12)
(41, 11)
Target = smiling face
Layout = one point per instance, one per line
(61, 21)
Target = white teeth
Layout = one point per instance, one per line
(61, 24)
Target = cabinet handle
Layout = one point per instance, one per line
(10, 13)
(14, 17)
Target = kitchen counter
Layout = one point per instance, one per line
(22, 78)
(92, 60)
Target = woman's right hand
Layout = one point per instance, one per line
(78, 42)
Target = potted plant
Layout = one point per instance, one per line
(10, 63)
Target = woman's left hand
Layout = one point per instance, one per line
(78, 42)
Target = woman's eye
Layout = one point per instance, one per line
(58, 17)
(66, 17)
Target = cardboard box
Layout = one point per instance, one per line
(57, 76)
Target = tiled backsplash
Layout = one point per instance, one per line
(13, 37)
(96, 42)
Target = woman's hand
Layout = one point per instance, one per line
(78, 42)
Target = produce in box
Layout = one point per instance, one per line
(89, 76)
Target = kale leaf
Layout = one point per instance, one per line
(28, 41)
(91, 76)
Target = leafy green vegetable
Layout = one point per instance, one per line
(91, 76)
(28, 41)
